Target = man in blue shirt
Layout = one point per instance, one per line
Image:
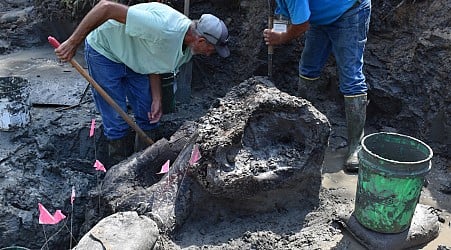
(339, 27)
(126, 50)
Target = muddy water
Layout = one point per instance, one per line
(14, 103)
(335, 178)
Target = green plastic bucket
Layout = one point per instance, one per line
(391, 175)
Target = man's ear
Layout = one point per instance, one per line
(202, 39)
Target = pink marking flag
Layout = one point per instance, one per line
(93, 127)
(195, 155)
(72, 196)
(99, 166)
(46, 218)
(164, 168)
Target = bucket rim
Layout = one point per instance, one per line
(428, 158)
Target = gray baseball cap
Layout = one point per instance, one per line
(215, 31)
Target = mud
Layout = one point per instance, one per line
(257, 139)
(406, 65)
(424, 228)
(15, 105)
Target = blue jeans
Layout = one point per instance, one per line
(346, 39)
(122, 84)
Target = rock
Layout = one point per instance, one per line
(259, 142)
(16, 16)
(424, 228)
(125, 230)
(134, 185)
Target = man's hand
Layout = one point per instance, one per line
(156, 112)
(276, 38)
(156, 109)
(66, 51)
(272, 38)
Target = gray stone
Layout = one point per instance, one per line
(259, 142)
(164, 197)
(423, 229)
(125, 230)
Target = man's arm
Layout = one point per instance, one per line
(101, 12)
(293, 31)
(156, 109)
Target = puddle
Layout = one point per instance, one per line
(46, 76)
(14, 103)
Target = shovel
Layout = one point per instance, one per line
(270, 47)
(104, 94)
(186, 8)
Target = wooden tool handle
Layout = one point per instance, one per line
(270, 25)
(104, 94)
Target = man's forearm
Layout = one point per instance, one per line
(155, 86)
(101, 12)
(295, 31)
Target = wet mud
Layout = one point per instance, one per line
(15, 105)
(406, 58)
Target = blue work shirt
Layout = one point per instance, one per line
(320, 12)
(150, 42)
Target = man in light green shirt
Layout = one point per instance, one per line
(126, 50)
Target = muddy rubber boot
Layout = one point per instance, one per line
(308, 88)
(140, 144)
(120, 149)
(355, 108)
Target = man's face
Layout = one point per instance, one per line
(203, 47)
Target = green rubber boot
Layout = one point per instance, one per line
(309, 88)
(355, 108)
(120, 149)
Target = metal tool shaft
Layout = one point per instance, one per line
(270, 47)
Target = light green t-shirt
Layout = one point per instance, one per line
(149, 43)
